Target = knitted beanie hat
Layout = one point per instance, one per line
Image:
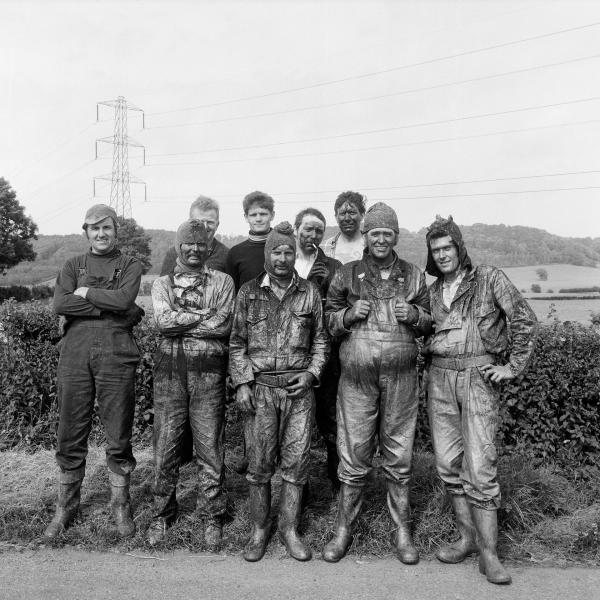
(380, 215)
(282, 234)
(190, 232)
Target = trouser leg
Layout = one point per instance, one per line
(114, 364)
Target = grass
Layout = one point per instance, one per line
(547, 517)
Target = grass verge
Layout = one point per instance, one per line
(548, 516)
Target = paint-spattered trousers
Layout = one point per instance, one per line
(463, 413)
(280, 432)
(191, 389)
(97, 362)
(377, 394)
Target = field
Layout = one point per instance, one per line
(559, 277)
(566, 310)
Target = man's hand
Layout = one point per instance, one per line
(405, 312)
(497, 373)
(81, 291)
(358, 312)
(245, 398)
(299, 384)
(319, 270)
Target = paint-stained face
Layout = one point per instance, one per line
(445, 254)
(310, 233)
(282, 260)
(259, 219)
(381, 242)
(102, 236)
(348, 218)
(194, 254)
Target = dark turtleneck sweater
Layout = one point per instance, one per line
(246, 260)
(100, 270)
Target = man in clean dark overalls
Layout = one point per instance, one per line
(96, 293)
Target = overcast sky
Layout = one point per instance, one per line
(488, 111)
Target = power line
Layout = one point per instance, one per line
(407, 186)
(371, 148)
(377, 97)
(382, 130)
(382, 71)
(61, 177)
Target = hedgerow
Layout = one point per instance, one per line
(551, 413)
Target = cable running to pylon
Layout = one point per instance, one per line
(380, 72)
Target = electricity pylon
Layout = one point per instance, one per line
(120, 195)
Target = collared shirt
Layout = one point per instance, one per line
(449, 289)
(304, 264)
(266, 281)
(339, 248)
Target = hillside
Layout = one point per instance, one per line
(499, 245)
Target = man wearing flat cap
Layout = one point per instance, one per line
(277, 352)
(377, 306)
(472, 308)
(95, 294)
(193, 309)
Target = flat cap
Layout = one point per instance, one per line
(96, 213)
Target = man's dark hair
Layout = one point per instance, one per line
(358, 200)
(260, 199)
(309, 211)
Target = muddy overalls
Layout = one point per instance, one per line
(98, 358)
(377, 392)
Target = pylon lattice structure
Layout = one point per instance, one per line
(121, 178)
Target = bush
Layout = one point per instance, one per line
(535, 288)
(585, 290)
(19, 292)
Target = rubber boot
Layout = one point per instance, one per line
(290, 507)
(260, 507)
(120, 503)
(349, 505)
(213, 534)
(332, 466)
(399, 506)
(466, 545)
(164, 515)
(67, 505)
(486, 523)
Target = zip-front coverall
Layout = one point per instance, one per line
(463, 405)
(98, 357)
(193, 313)
(271, 340)
(377, 392)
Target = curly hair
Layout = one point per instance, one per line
(259, 199)
(354, 198)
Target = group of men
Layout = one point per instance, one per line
(306, 330)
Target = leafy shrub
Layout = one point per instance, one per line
(585, 290)
(535, 288)
(19, 292)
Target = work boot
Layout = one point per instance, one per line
(486, 523)
(332, 466)
(260, 507)
(290, 507)
(120, 503)
(467, 543)
(67, 505)
(213, 533)
(349, 505)
(398, 504)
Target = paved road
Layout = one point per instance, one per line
(78, 575)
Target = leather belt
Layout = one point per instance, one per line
(279, 380)
(460, 364)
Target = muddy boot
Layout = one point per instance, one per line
(289, 518)
(399, 506)
(213, 534)
(67, 505)
(486, 523)
(466, 545)
(349, 505)
(260, 507)
(120, 504)
(332, 466)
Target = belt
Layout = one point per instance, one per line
(279, 380)
(460, 364)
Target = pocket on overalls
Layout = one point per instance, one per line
(300, 327)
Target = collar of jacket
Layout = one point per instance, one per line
(463, 288)
(296, 280)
